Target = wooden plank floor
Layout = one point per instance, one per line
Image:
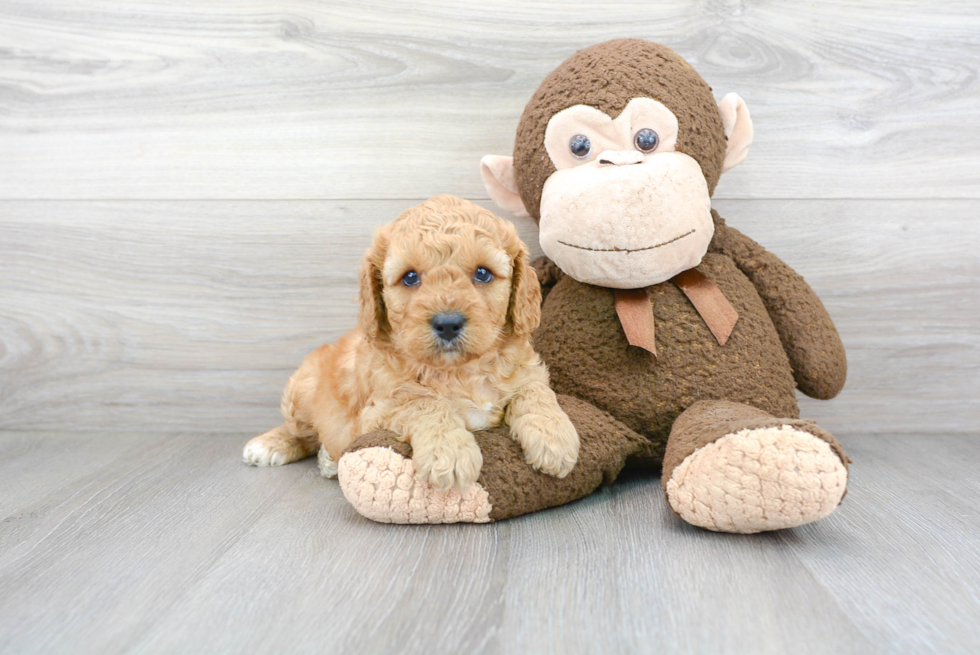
(143, 543)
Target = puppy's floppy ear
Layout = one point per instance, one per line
(524, 313)
(373, 317)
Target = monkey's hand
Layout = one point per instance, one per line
(805, 329)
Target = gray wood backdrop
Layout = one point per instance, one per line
(185, 188)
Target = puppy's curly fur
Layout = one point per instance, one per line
(395, 372)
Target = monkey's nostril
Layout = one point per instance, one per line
(620, 157)
(448, 325)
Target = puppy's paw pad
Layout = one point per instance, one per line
(383, 486)
(758, 479)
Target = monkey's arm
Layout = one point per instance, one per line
(807, 333)
(548, 274)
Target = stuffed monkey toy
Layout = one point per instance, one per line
(672, 339)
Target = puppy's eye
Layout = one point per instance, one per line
(411, 279)
(483, 275)
(580, 146)
(646, 140)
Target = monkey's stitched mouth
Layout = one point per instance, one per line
(572, 245)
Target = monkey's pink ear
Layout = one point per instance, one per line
(497, 172)
(738, 128)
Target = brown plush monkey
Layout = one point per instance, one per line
(671, 338)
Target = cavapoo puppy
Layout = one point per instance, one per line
(442, 348)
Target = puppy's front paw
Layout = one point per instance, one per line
(550, 443)
(277, 447)
(448, 459)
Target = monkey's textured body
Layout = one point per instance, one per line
(721, 420)
(589, 357)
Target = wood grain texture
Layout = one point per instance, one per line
(185, 191)
(117, 99)
(191, 315)
(175, 546)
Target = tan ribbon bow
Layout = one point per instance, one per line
(635, 310)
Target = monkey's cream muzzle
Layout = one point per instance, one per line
(617, 223)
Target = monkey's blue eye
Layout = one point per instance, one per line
(580, 146)
(646, 140)
(411, 279)
(483, 275)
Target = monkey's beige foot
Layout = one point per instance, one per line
(380, 481)
(277, 447)
(734, 468)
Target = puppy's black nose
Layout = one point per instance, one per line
(447, 326)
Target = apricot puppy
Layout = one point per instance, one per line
(442, 348)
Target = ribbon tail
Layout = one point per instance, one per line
(714, 308)
(635, 311)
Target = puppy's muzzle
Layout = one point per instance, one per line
(448, 326)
